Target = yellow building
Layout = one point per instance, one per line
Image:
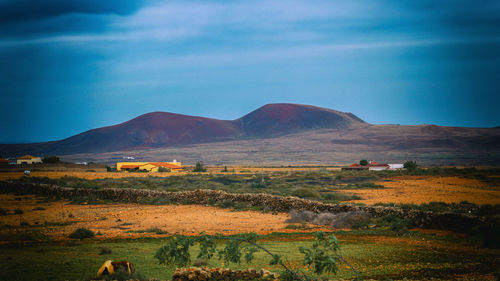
(148, 166)
(28, 159)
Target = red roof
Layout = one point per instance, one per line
(27, 157)
(3, 161)
(375, 164)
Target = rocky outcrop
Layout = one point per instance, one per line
(209, 274)
(424, 219)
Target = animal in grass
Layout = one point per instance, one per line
(110, 267)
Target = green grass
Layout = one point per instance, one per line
(415, 256)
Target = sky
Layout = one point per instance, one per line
(70, 66)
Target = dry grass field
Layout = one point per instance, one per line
(425, 189)
(57, 219)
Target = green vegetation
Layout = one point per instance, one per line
(323, 255)
(51, 159)
(82, 233)
(155, 230)
(410, 165)
(164, 170)
(199, 168)
(363, 162)
(384, 257)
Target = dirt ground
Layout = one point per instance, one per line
(120, 220)
(425, 189)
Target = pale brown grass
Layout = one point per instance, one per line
(425, 189)
(114, 220)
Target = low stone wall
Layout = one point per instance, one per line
(424, 219)
(209, 274)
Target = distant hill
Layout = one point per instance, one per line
(281, 118)
(163, 129)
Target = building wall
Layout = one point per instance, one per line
(29, 161)
(120, 164)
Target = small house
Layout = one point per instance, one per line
(29, 159)
(148, 166)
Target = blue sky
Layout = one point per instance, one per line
(70, 66)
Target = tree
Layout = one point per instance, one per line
(51, 159)
(363, 162)
(410, 165)
(199, 167)
(323, 256)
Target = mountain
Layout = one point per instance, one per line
(281, 118)
(163, 129)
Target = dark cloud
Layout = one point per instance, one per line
(23, 10)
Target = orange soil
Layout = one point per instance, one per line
(425, 189)
(114, 220)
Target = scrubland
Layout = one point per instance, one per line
(35, 242)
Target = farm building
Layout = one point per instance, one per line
(28, 159)
(148, 166)
(371, 166)
(396, 166)
(355, 167)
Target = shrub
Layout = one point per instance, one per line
(336, 196)
(410, 165)
(396, 223)
(104, 251)
(18, 212)
(306, 193)
(199, 168)
(38, 209)
(257, 185)
(3, 212)
(164, 170)
(82, 233)
(51, 159)
(110, 169)
(226, 204)
(363, 162)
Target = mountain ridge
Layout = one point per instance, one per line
(160, 129)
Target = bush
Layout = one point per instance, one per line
(82, 233)
(38, 209)
(198, 168)
(410, 165)
(226, 204)
(3, 212)
(396, 223)
(110, 169)
(306, 193)
(104, 251)
(336, 196)
(257, 185)
(164, 170)
(18, 212)
(51, 159)
(363, 162)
